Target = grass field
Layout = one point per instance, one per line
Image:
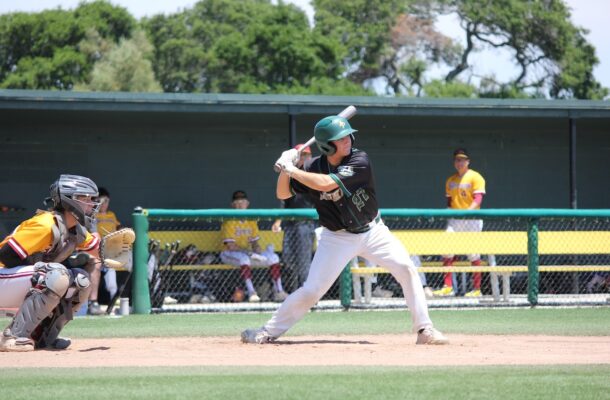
(501, 382)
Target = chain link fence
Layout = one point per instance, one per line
(525, 259)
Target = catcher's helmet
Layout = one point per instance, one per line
(63, 197)
(331, 128)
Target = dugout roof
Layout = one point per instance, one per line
(301, 104)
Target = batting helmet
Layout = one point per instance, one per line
(63, 196)
(331, 128)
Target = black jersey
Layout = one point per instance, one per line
(354, 203)
(298, 201)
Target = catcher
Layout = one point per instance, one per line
(40, 273)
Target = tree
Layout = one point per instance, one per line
(246, 46)
(395, 42)
(385, 40)
(551, 53)
(362, 28)
(40, 50)
(124, 68)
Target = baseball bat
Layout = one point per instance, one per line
(347, 113)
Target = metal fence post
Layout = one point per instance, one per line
(533, 262)
(345, 286)
(139, 288)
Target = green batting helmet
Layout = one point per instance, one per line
(331, 128)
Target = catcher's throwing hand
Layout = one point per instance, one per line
(115, 249)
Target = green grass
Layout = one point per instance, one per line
(268, 383)
(570, 322)
(555, 382)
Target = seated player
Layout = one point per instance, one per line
(242, 249)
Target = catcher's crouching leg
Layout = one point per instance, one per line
(47, 334)
(37, 305)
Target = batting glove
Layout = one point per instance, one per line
(286, 167)
(288, 157)
(291, 155)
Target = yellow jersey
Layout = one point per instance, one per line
(107, 223)
(461, 189)
(35, 235)
(243, 233)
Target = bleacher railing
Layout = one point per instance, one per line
(560, 255)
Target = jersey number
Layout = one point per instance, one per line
(359, 199)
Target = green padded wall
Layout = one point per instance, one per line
(195, 160)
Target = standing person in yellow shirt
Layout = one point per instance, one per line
(106, 222)
(464, 190)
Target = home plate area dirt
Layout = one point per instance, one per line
(392, 350)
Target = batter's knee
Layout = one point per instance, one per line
(311, 294)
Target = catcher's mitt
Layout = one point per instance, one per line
(115, 249)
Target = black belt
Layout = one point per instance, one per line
(365, 228)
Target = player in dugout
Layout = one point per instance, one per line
(242, 249)
(341, 185)
(34, 273)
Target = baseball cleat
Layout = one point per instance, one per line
(431, 336)
(8, 342)
(444, 292)
(257, 336)
(94, 308)
(381, 292)
(280, 296)
(474, 293)
(61, 343)
(253, 298)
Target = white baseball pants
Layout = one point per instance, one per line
(238, 258)
(335, 250)
(14, 285)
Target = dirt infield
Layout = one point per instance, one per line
(320, 350)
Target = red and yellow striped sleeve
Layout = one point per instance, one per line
(31, 236)
(91, 242)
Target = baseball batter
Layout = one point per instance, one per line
(464, 190)
(32, 277)
(342, 188)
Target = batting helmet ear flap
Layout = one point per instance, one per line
(327, 149)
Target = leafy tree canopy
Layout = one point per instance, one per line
(354, 47)
(40, 50)
(245, 46)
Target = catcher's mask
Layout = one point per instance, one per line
(65, 193)
(329, 129)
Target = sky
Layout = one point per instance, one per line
(589, 14)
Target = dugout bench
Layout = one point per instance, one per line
(210, 243)
(434, 242)
(428, 243)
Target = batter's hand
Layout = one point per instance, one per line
(291, 155)
(286, 167)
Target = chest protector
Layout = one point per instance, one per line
(64, 242)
